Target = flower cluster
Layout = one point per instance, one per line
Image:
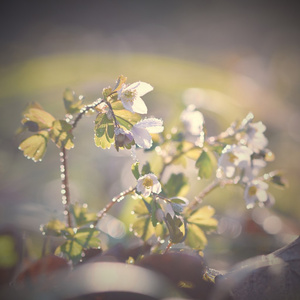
(243, 161)
(129, 129)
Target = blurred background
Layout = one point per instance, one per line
(241, 56)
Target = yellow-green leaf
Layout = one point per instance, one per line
(61, 134)
(54, 227)
(205, 165)
(8, 254)
(104, 131)
(143, 228)
(120, 81)
(81, 214)
(35, 146)
(126, 118)
(72, 105)
(43, 119)
(195, 238)
(204, 212)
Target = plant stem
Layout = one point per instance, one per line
(168, 247)
(207, 190)
(114, 200)
(85, 110)
(65, 190)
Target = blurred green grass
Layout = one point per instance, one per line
(30, 192)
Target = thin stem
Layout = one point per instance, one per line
(168, 247)
(114, 200)
(198, 199)
(85, 110)
(65, 190)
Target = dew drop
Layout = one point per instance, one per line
(65, 213)
(92, 226)
(198, 178)
(63, 192)
(84, 205)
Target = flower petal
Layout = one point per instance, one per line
(139, 106)
(143, 88)
(153, 125)
(142, 137)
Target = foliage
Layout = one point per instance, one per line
(164, 212)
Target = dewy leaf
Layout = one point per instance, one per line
(54, 227)
(195, 238)
(87, 237)
(126, 118)
(43, 119)
(120, 81)
(205, 165)
(72, 105)
(177, 185)
(72, 249)
(104, 131)
(35, 146)
(81, 214)
(135, 170)
(61, 134)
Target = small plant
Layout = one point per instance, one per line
(164, 216)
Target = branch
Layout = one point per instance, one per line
(65, 190)
(114, 200)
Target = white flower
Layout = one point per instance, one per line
(141, 131)
(193, 120)
(254, 137)
(253, 170)
(148, 184)
(131, 96)
(256, 191)
(234, 157)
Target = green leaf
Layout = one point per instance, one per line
(87, 237)
(35, 146)
(205, 165)
(54, 227)
(142, 207)
(104, 131)
(8, 253)
(177, 185)
(195, 238)
(154, 207)
(72, 105)
(81, 214)
(146, 169)
(135, 170)
(61, 134)
(72, 249)
(143, 228)
(120, 81)
(126, 118)
(203, 218)
(174, 224)
(204, 212)
(43, 119)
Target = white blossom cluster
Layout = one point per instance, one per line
(130, 95)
